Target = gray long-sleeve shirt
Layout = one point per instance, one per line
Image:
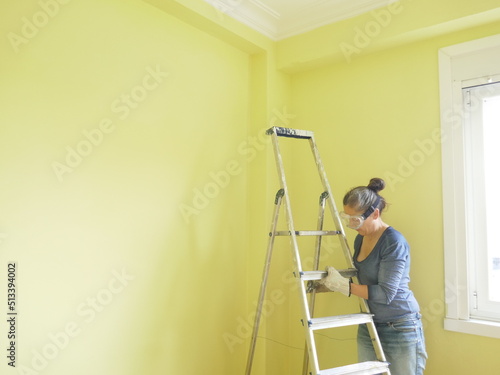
(386, 272)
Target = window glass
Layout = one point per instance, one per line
(491, 124)
(482, 153)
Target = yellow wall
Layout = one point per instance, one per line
(124, 189)
(136, 184)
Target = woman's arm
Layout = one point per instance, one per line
(359, 290)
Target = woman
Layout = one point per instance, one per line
(382, 258)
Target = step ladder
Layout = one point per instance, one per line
(306, 279)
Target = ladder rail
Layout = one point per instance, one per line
(331, 202)
(295, 250)
(288, 207)
(265, 274)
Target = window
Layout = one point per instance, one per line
(470, 128)
(482, 154)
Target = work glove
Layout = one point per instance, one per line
(336, 282)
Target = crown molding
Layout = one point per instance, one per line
(280, 19)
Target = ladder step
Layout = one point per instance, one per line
(318, 275)
(307, 233)
(363, 368)
(339, 321)
(292, 133)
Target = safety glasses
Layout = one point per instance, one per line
(356, 221)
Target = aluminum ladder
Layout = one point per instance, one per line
(306, 279)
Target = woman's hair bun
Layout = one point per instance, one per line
(376, 184)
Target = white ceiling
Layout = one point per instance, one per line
(279, 19)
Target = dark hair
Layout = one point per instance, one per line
(362, 197)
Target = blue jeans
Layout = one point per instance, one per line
(403, 343)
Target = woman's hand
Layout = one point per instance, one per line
(336, 282)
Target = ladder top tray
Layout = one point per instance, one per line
(292, 133)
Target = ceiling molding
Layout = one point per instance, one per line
(252, 13)
(280, 19)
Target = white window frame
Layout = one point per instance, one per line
(460, 66)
